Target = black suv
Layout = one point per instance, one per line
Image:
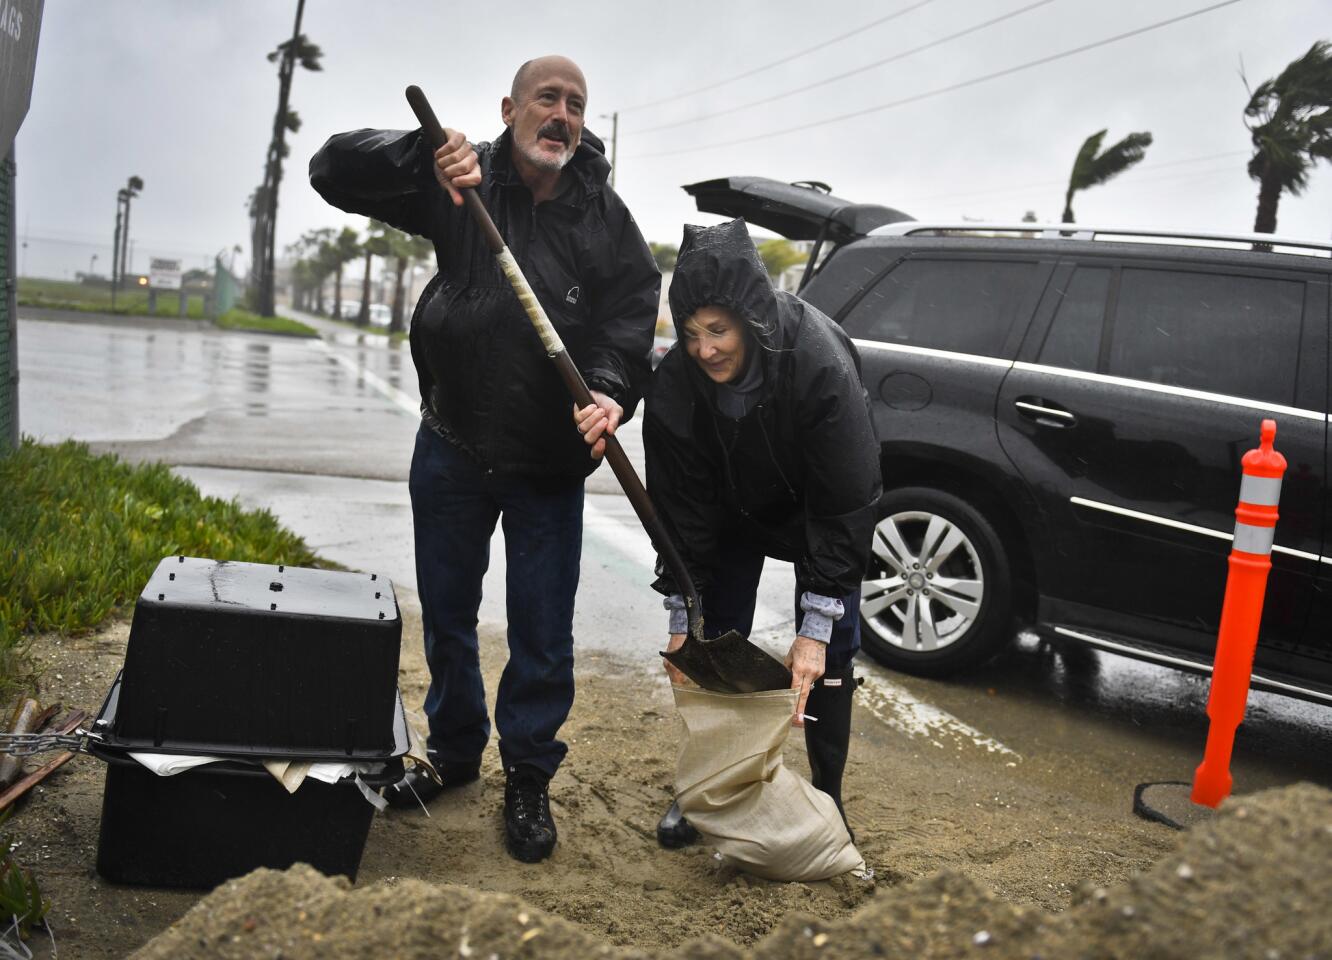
(1062, 418)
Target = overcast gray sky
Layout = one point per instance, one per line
(181, 95)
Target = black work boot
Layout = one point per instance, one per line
(674, 831)
(418, 788)
(828, 738)
(529, 830)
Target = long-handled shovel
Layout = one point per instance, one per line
(730, 663)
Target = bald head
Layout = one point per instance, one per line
(544, 112)
(533, 70)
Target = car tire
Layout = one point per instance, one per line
(938, 595)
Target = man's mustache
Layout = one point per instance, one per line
(554, 131)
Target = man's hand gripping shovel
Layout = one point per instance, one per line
(728, 664)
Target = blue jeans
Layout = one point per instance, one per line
(455, 505)
(729, 600)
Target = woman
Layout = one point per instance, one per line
(759, 444)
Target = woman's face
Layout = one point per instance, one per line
(715, 339)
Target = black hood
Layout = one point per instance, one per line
(719, 266)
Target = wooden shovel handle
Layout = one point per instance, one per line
(573, 380)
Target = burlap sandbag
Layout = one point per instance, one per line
(732, 785)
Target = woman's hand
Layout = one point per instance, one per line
(672, 671)
(805, 660)
(596, 420)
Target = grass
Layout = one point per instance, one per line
(87, 298)
(238, 319)
(369, 328)
(81, 533)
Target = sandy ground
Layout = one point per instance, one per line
(915, 813)
(1249, 884)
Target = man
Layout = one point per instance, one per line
(496, 439)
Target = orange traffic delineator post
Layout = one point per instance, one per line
(1241, 613)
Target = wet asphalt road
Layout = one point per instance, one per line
(321, 433)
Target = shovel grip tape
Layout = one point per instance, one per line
(523, 290)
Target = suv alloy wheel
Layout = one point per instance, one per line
(937, 597)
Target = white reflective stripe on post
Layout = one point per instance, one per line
(1260, 491)
(1251, 539)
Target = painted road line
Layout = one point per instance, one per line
(391, 393)
(902, 711)
(893, 704)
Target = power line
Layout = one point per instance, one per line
(941, 90)
(103, 242)
(848, 73)
(1019, 188)
(775, 63)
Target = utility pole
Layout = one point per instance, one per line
(118, 249)
(115, 247)
(615, 136)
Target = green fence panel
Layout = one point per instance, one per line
(8, 320)
(225, 288)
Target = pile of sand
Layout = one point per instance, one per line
(1251, 883)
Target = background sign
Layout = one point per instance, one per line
(20, 22)
(163, 274)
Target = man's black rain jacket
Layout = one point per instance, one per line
(483, 373)
(799, 474)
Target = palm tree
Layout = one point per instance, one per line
(1092, 169)
(377, 243)
(296, 51)
(312, 248)
(406, 249)
(1290, 120)
(346, 247)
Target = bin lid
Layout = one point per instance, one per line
(105, 723)
(266, 587)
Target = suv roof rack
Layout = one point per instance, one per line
(1076, 231)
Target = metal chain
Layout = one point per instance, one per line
(27, 744)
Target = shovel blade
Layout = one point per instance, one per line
(744, 666)
(729, 664)
(693, 661)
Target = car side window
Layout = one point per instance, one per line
(1238, 336)
(1074, 340)
(966, 306)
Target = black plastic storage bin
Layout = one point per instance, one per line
(207, 825)
(222, 820)
(228, 657)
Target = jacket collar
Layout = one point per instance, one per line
(589, 165)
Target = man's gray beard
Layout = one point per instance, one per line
(543, 161)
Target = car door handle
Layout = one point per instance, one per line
(1044, 412)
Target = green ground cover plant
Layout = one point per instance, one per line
(371, 329)
(80, 533)
(90, 298)
(238, 319)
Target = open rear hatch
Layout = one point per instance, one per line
(805, 210)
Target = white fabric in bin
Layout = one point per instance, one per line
(731, 783)
(170, 764)
(290, 773)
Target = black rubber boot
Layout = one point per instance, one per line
(529, 829)
(674, 831)
(417, 788)
(828, 738)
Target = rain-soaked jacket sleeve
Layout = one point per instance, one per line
(625, 298)
(681, 483)
(842, 475)
(385, 174)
